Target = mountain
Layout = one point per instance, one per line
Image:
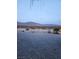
(36, 24)
(32, 24)
(29, 24)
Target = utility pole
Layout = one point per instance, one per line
(32, 2)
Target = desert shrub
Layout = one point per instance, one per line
(27, 29)
(49, 31)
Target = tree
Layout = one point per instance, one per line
(56, 30)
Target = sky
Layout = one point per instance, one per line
(40, 11)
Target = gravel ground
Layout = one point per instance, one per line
(38, 45)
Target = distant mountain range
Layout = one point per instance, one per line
(29, 24)
(36, 24)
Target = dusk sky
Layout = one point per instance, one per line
(40, 11)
